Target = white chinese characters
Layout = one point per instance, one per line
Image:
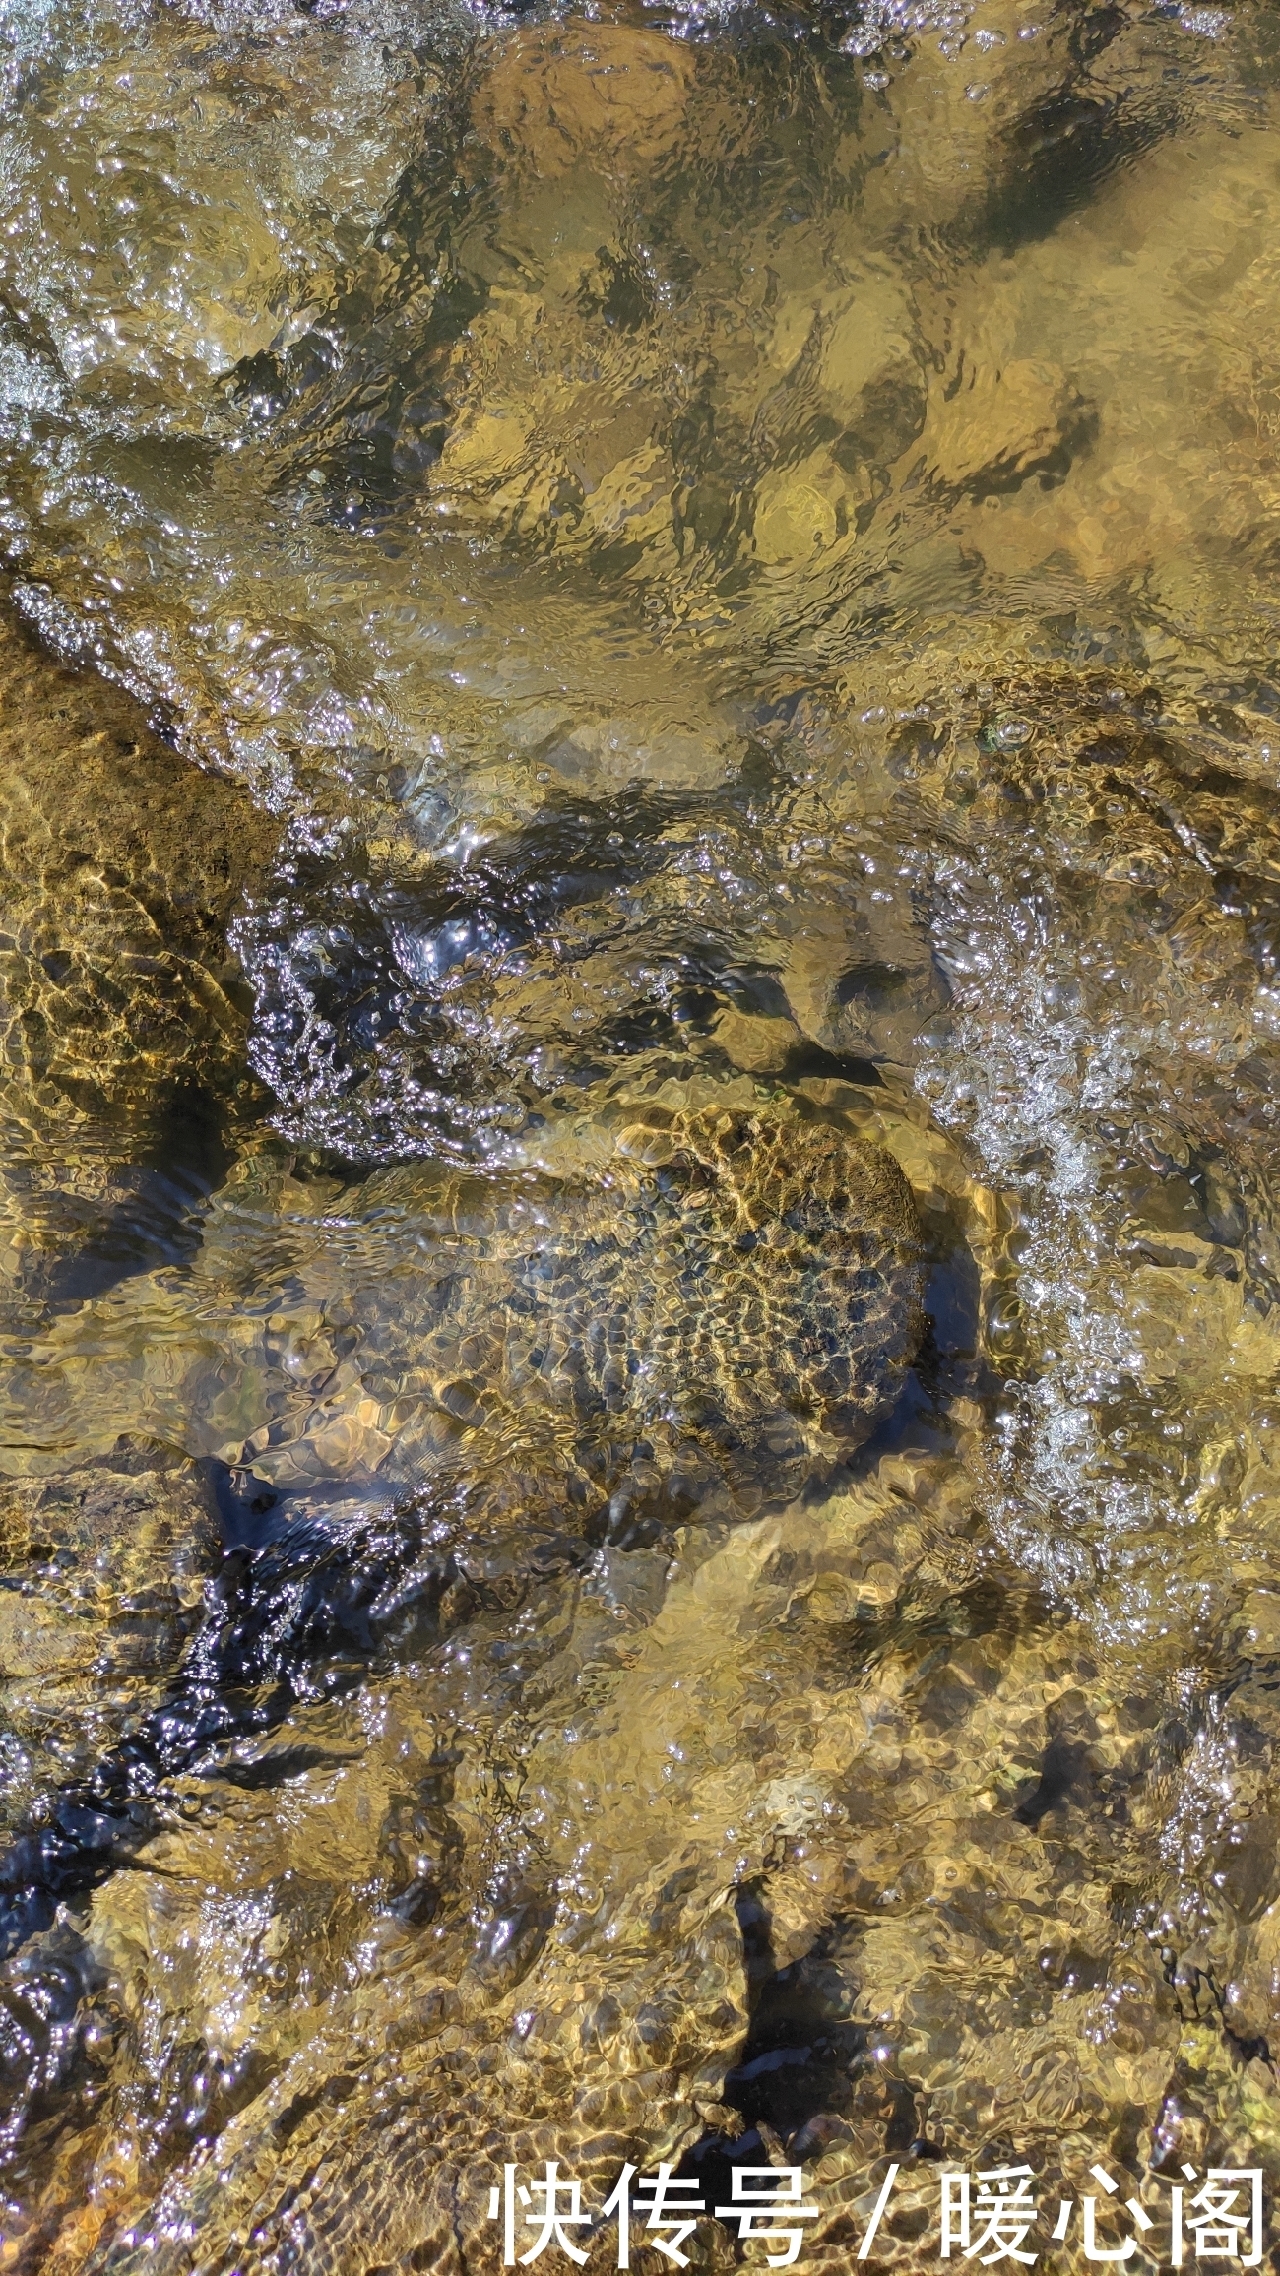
(767, 2205)
(560, 2209)
(667, 2206)
(994, 2224)
(998, 2215)
(765, 2202)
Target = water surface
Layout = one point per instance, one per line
(569, 575)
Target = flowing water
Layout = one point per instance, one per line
(639, 1079)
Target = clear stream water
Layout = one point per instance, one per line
(570, 575)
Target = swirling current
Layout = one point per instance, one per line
(639, 1152)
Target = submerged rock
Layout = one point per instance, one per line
(121, 1019)
(704, 1881)
(613, 93)
(103, 1582)
(694, 1305)
(631, 440)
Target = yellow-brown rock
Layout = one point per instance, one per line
(559, 91)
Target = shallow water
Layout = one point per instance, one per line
(607, 612)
